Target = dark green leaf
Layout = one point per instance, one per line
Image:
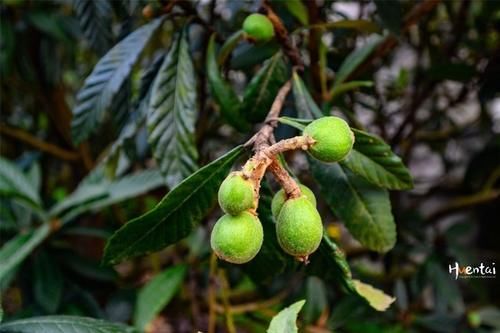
(391, 14)
(306, 107)
(59, 324)
(316, 299)
(175, 216)
(262, 89)
(95, 18)
(374, 160)
(222, 91)
(298, 10)
(354, 59)
(172, 113)
(286, 320)
(48, 282)
(13, 182)
(156, 294)
(100, 89)
(330, 264)
(247, 56)
(18, 248)
(364, 208)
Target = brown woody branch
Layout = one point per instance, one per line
(35, 142)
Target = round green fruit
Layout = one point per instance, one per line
(299, 227)
(280, 198)
(334, 139)
(236, 194)
(258, 27)
(237, 239)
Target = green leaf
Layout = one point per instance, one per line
(18, 248)
(262, 89)
(156, 294)
(95, 18)
(330, 264)
(176, 214)
(223, 92)
(316, 299)
(375, 297)
(391, 14)
(348, 86)
(48, 282)
(14, 183)
(298, 10)
(306, 107)
(58, 324)
(374, 160)
(172, 113)
(286, 320)
(364, 208)
(102, 86)
(355, 59)
(90, 197)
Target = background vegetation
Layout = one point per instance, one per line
(106, 106)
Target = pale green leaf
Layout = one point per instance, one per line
(286, 320)
(375, 297)
(156, 294)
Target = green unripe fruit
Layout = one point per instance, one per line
(280, 198)
(236, 194)
(237, 239)
(334, 139)
(258, 27)
(299, 227)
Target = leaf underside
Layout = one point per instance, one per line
(172, 114)
(105, 86)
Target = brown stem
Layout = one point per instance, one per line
(283, 38)
(212, 286)
(35, 142)
(289, 185)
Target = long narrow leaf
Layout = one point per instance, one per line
(106, 80)
(172, 114)
(175, 216)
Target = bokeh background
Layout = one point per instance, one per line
(432, 91)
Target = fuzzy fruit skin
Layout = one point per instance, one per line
(236, 194)
(280, 197)
(258, 27)
(334, 139)
(299, 227)
(237, 239)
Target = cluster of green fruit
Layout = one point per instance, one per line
(238, 235)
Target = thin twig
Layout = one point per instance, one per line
(212, 286)
(35, 142)
(225, 300)
(464, 202)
